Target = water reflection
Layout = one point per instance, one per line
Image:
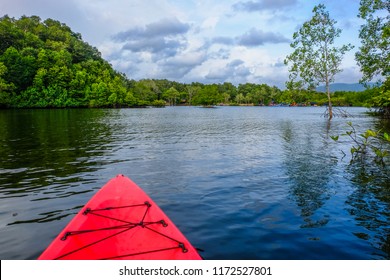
(48, 154)
(241, 183)
(309, 167)
(46, 134)
(369, 204)
(369, 201)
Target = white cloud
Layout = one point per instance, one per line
(264, 5)
(179, 66)
(205, 40)
(256, 37)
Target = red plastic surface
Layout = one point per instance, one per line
(108, 228)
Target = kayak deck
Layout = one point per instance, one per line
(121, 222)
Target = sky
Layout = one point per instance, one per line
(236, 41)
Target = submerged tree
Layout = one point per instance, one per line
(315, 59)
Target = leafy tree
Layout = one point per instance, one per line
(240, 98)
(208, 95)
(10, 35)
(142, 91)
(315, 58)
(155, 92)
(373, 56)
(5, 88)
(28, 24)
(20, 68)
(171, 95)
(295, 88)
(158, 103)
(264, 95)
(229, 89)
(129, 99)
(382, 100)
(191, 92)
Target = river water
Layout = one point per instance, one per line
(240, 182)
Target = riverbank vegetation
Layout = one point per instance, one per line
(44, 64)
(373, 56)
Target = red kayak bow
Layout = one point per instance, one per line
(121, 222)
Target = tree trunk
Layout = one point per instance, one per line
(329, 101)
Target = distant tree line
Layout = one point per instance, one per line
(44, 64)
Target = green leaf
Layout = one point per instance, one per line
(378, 153)
(335, 138)
(369, 133)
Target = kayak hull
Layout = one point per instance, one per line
(121, 222)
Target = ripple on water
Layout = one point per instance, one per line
(241, 183)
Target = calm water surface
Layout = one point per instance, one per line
(241, 183)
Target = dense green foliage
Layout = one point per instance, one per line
(44, 64)
(373, 56)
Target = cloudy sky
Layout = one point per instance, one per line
(206, 41)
